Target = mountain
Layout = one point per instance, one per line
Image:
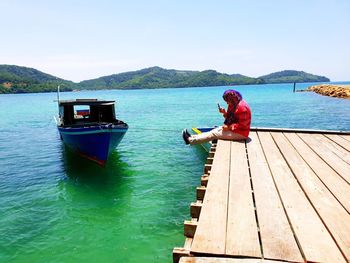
(156, 77)
(290, 76)
(16, 79)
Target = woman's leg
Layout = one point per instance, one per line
(232, 136)
(205, 136)
(216, 133)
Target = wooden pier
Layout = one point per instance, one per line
(280, 196)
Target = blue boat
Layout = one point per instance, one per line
(90, 128)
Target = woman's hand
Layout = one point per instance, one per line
(222, 110)
(226, 127)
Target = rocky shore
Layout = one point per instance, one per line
(332, 90)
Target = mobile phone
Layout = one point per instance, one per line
(219, 106)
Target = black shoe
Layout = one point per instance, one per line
(185, 136)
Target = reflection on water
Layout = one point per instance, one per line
(200, 152)
(83, 170)
(107, 183)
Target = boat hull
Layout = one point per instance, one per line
(94, 143)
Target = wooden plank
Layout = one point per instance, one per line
(333, 147)
(277, 238)
(333, 215)
(188, 243)
(225, 260)
(336, 184)
(339, 165)
(211, 230)
(266, 129)
(179, 252)
(242, 231)
(346, 137)
(316, 243)
(340, 141)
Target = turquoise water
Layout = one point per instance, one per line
(57, 207)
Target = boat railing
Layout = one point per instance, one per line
(57, 120)
(96, 124)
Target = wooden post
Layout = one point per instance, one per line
(209, 160)
(294, 87)
(200, 192)
(190, 227)
(204, 180)
(207, 168)
(211, 154)
(196, 209)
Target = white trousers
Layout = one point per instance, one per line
(217, 133)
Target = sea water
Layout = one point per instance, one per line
(58, 207)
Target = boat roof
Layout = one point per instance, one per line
(86, 102)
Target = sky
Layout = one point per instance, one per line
(84, 39)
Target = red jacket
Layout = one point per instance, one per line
(242, 118)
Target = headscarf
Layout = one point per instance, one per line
(232, 96)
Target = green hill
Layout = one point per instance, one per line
(290, 76)
(157, 77)
(16, 79)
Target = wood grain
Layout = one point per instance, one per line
(242, 231)
(276, 234)
(333, 215)
(334, 161)
(335, 183)
(210, 235)
(316, 243)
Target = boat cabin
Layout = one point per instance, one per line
(86, 111)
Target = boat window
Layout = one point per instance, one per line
(102, 113)
(81, 112)
(84, 114)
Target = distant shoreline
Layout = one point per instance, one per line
(17, 79)
(331, 90)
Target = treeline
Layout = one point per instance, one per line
(15, 79)
(156, 77)
(291, 76)
(27, 87)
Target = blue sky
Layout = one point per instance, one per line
(78, 40)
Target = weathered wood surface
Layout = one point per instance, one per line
(340, 140)
(332, 159)
(327, 211)
(281, 196)
(211, 232)
(242, 235)
(334, 148)
(224, 260)
(336, 184)
(317, 244)
(277, 237)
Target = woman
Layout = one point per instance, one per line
(236, 125)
